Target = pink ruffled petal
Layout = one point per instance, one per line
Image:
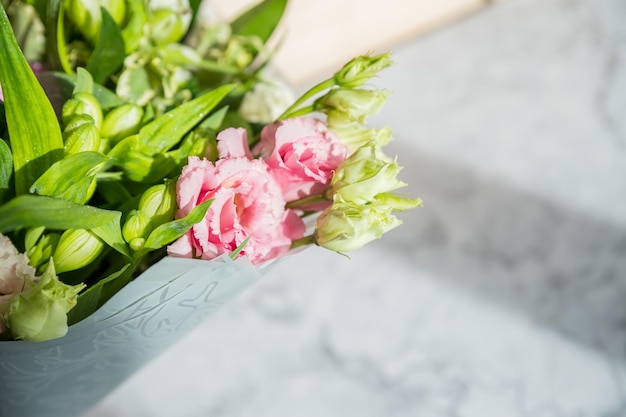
(233, 143)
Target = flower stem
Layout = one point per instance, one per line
(313, 91)
(298, 112)
(307, 201)
(303, 241)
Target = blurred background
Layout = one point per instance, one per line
(504, 295)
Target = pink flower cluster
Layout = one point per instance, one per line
(294, 159)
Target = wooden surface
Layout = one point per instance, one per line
(318, 37)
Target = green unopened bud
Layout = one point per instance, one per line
(82, 103)
(166, 26)
(354, 135)
(121, 122)
(116, 8)
(346, 226)
(360, 69)
(159, 203)
(76, 248)
(137, 226)
(86, 15)
(366, 173)
(355, 104)
(82, 137)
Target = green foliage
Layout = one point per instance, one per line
(34, 133)
(261, 20)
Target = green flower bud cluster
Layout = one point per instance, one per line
(347, 107)
(361, 192)
(82, 117)
(363, 203)
(218, 44)
(156, 207)
(345, 104)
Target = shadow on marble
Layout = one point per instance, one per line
(561, 268)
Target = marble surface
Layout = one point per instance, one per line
(501, 297)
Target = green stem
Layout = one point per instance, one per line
(299, 112)
(303, 241)
(56, 38)
(313, 91)
(307, 201)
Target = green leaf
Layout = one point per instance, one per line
(261, 20)
(53, 213)
(166, 131)
(72, 178)
(6, 169)
(3, 120)
(239, 248)
(84, 81)
(42, 8)
(214, 121)
(90, 299)
(111, 233)
(55, 38)
(108, 55)
(169, 232)
(195, 7)
(34, 131)
(143, 156)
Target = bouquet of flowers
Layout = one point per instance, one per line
(145, 147)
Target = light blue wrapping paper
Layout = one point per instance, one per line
(67, 376)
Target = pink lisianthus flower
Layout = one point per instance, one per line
(247, 203)
(302, 155)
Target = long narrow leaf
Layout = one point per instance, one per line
(108, 56)
(111, 233)
(90, 299)
(34, 132)
(6, 169)
(169, 232)
(164, 132)
(53, 213)
(261, 20)
(72, 178)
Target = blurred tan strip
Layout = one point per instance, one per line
(318, 36)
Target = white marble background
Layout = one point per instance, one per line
(502, 297)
